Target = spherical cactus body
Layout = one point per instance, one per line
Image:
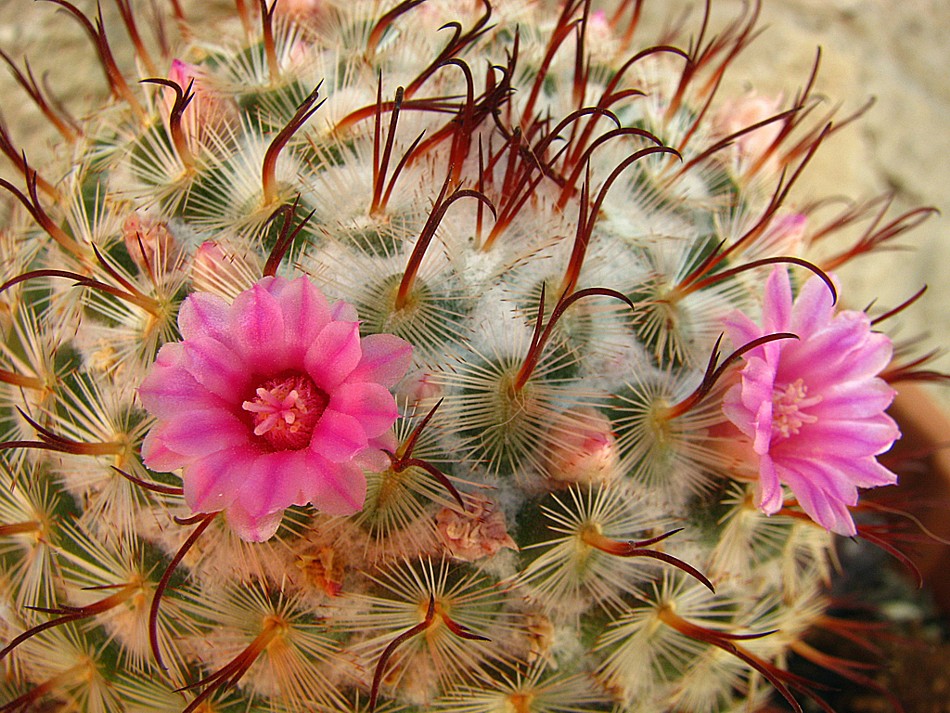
(455, 356)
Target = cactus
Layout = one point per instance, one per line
(411, 356)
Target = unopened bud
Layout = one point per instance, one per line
(220, 273)
(418, 391)
(209, 109)
(300, 10)
(785, 234)
(581, 448)
(149, 243)
(741, 113)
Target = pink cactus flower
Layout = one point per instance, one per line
(813, 408)
(271, 401)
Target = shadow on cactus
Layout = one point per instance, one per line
(289, 425)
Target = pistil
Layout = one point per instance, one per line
(285, 410)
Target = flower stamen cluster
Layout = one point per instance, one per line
(788, 410)
(286, 409)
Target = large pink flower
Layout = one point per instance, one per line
(272, 401)
(813, 408)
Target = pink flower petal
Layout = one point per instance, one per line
(274, 481)
(813, 309)
(386, 359)
(818, 474)
(170, 392)
(337, 436)
(374, 457)
(211, 482)
(343, 312)
(370, 404)
(256, 325)
(335, 488)
(171, 354)
(762, 439)
(740, 329)
(333, 355)
(204, 432)
(736, 412)
(251, 528)
(777, 310)
(853, 400)
(305, 312)
(758, 383)
(863, 472)
(769, 497)
(848, 438)
(159, 457)
(203, 314)
(823, 506)
(216, 368)
(845, 349)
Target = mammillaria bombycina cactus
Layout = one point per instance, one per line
(445, 355)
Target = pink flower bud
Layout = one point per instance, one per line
(785, 234)
(418, 391)
(582, 448)
(209, 109)
(743, 112)
(601, 39)
(213, 270)
(150, 243)
(300, 10)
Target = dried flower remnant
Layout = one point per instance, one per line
(813, 408)
(478, 532)
(271, 401)
(149, 243)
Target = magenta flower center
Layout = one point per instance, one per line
(285, 409)
(788, 410)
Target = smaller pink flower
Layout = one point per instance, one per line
(813, 408)
(271, 401)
